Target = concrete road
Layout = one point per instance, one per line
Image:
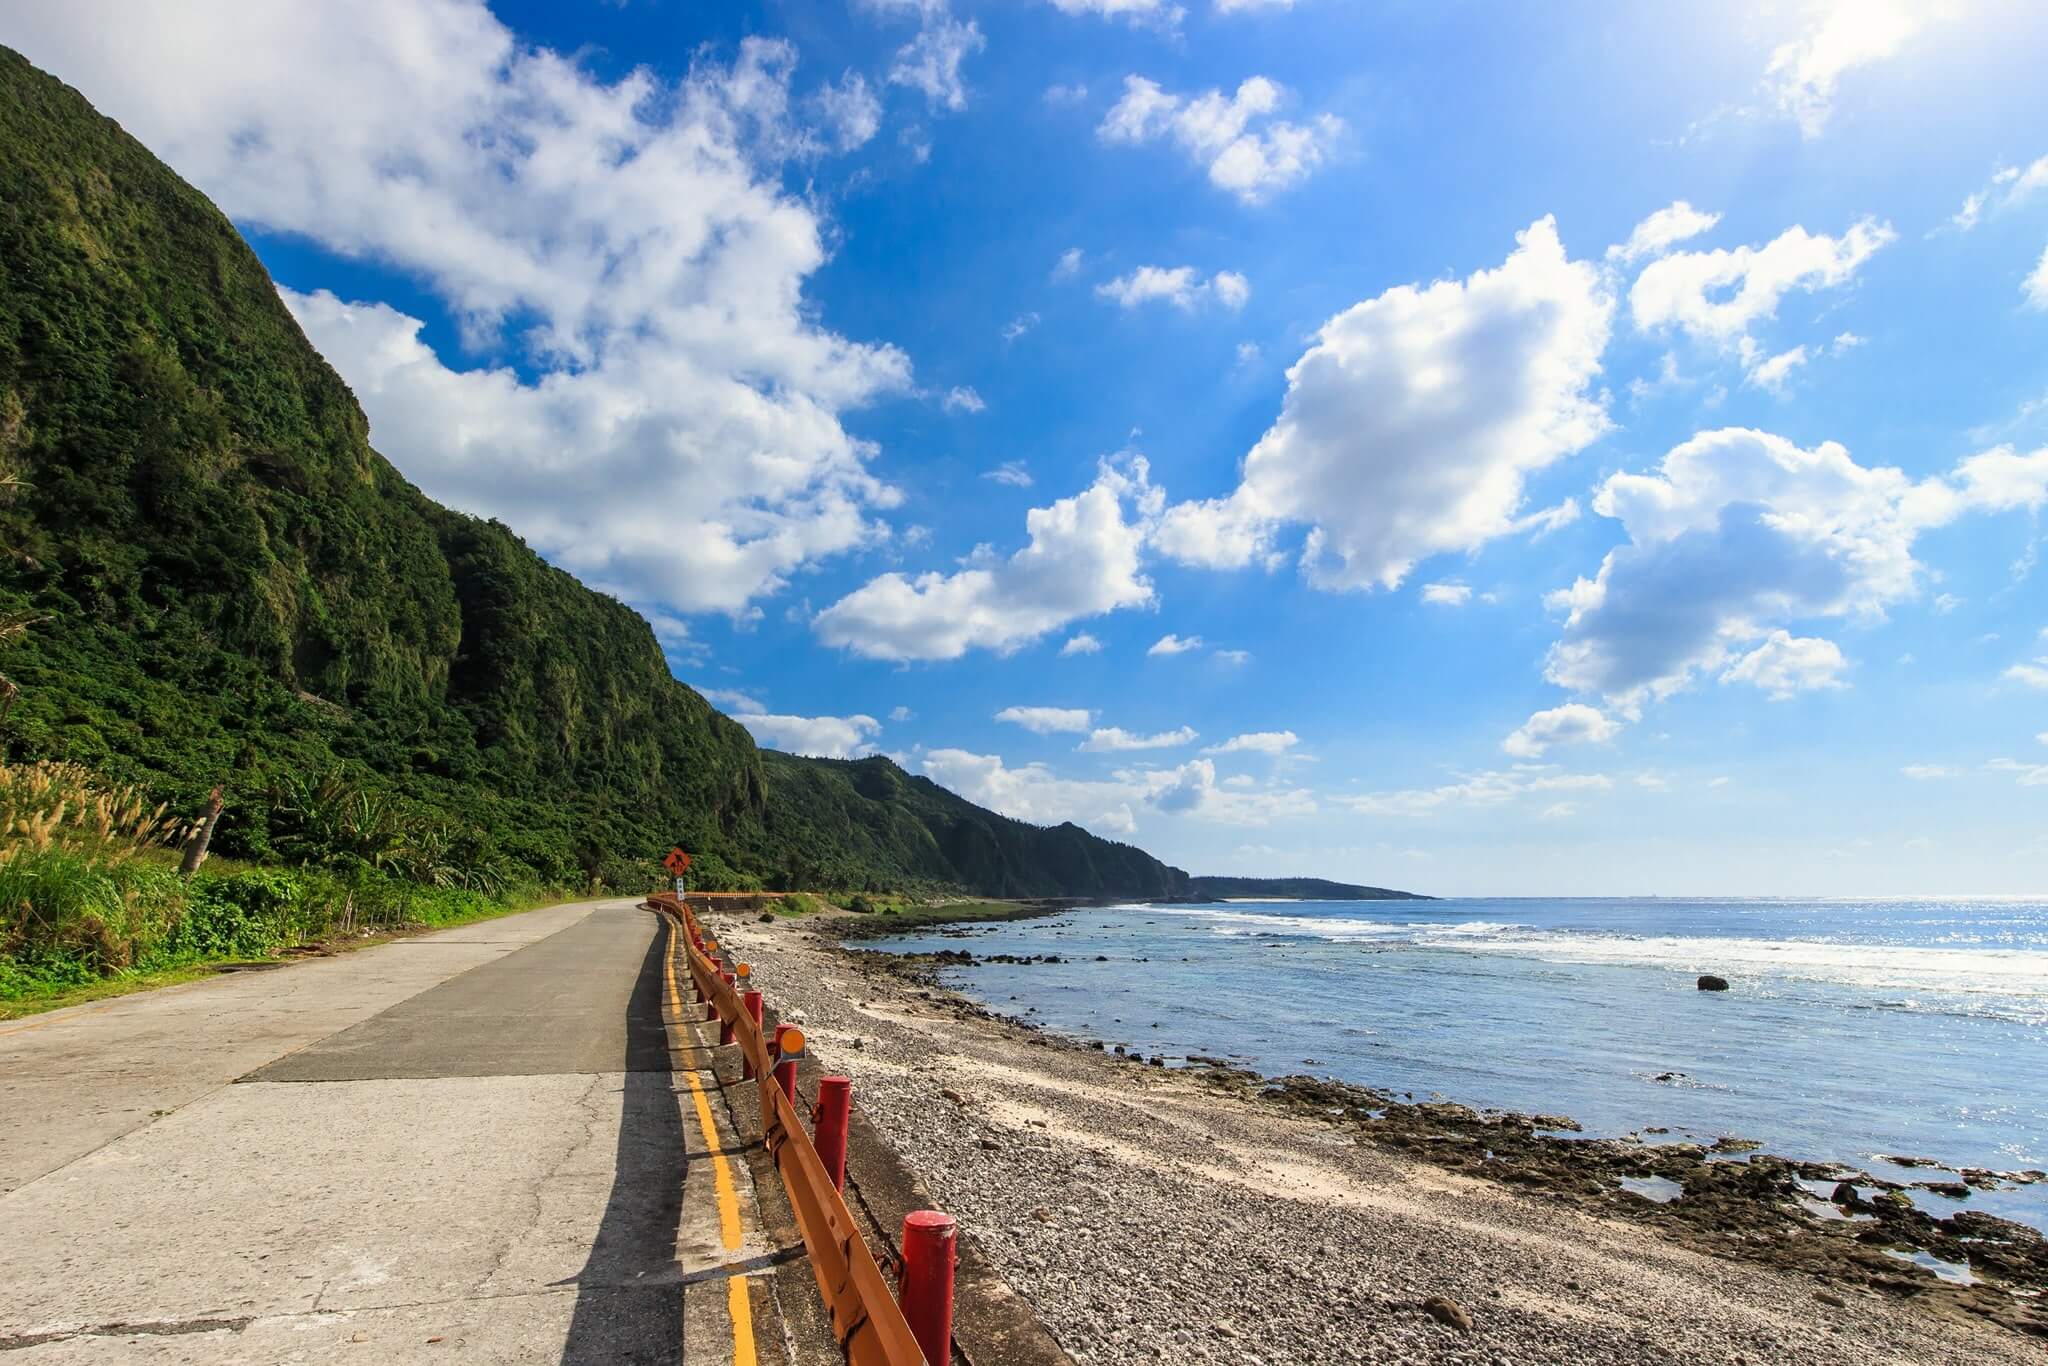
(499, 1143)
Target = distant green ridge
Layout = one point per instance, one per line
(235, 588)
(1293, 889)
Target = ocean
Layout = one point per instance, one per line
(1853, 1029)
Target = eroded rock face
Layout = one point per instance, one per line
(1709, 982)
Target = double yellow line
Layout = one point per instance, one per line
(737, 1301)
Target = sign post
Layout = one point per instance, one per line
(678, 864)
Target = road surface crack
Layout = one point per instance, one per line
(164, 1328)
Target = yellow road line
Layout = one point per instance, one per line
(737, 1301)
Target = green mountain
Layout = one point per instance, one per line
(1292, 889)
(223, 584)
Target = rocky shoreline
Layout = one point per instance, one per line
(1140, 1203)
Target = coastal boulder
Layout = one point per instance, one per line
(1709, 982)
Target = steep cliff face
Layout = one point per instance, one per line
(228, 585)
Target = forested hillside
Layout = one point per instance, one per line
(210, 578)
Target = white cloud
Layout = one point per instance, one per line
(1491, 788)
(1446, 594)
(1036, 793)
(2029, 775)
(1180, 286)
(1718, 296)
(1235, 137)
(901, 714)
(1775, 372)
(2035, 287)
(1082, 561)
(2034, 675)
(850, 110)
(1922, 773)
(1739, 533)
(1162, 14)
(1114, 739)
(962, 399)
(1019, 325)
(732, 700)
(2009, 186)
(1081, 643)
(825, 737)
(931, 61)
(1011, 472)
(1842, 36)
(1069, 264)
(1786, 665)
(1257, 742)
(1235, 657)
(681, 445)
(1247, 353)
(1170, 644)
(1410, 425)
(1047, 720)
(1656, 234)
(1251, 6)
(1574, 723)
(1558, 811)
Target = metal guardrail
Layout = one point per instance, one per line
(866, 1319)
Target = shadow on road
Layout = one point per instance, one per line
(629, 1301)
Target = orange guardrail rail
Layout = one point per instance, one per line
(866, 1318)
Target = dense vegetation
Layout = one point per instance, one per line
(1294, 889)
(222, 584)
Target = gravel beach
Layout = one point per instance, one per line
(1149, 1218)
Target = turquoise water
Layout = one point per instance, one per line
(1852, 1029)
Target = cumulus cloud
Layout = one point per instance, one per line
(2035, 287)
(1257, 742)
(1491, 788)
(1574, 723)
(1446, 594)
(1162, 14)
(1170, 644)
(824, 737)
(1034, 792)
(679, 442)
(1411, 424)
(1069, 264)
(962, 399)
(1739, 533)
(1047, 720)
(1656, 234)
(1719, 296)
(850, 110)
(1842, 36)
(1181, 286)
(1112, 739)
(1786, 665)
(2008, 186)
(931, 61)
(1235, 138)
(1081, 643)
(1082, 561)
(2033, 675)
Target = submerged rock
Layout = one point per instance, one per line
(1709, 982)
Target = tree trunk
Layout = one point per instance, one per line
(195, 849)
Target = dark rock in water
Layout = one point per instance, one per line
(1448, 1312)
(1709, 982)
(1954, 1190)
(1845, 1195)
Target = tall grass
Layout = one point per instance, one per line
(89, 888)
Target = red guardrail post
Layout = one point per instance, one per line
(752, 1001)
(785, 1067)
(835, 1109)
(926, 1295)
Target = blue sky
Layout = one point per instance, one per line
(1566, 449)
